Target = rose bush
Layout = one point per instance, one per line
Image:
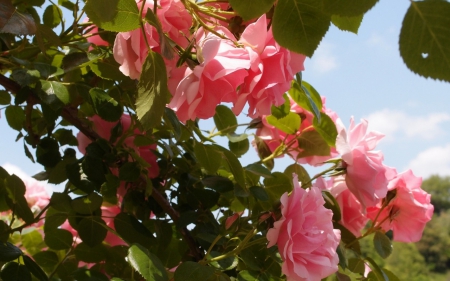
(152, 195)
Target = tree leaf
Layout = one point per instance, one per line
(425, 39)
(326, 128)
(52, 16)
(34, 268)
(277, 185)
(153, 93)
(13, 271)
(14, 22)
(9, 252)
(15, 116)
(84, 252)
(208, 157)
(251, 9)
(192, 271)
(92, 231)
(16, 191)
(133, 231)
(346, 23)
(306, 97)
(225, 120)
(288, 124)
(105, 106)
(239, 148)
(218, 183)
(113, 15)
(348, 8)
(299, 25)
(58, 239)
(300, 171)
(382, 244)
(259, 170)
(312, 143)
(233, 164)
(54, 92)
(146, 263)
(88, 204)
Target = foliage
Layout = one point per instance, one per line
(153, 196)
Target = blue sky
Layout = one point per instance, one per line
(362, 76)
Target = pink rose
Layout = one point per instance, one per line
(94, 39)
(103, 128)
(365, 173)
(305, 236)
(272, 70)
(274, 137)
(352, 215)
(408, 212)
(222, 69)
(130, 49)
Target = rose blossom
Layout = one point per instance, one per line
(130, 49)
(222, 69)
(272, 70)
(352, 215)
(274, 137)
(408, 211)
(305, 236)
(365, 173)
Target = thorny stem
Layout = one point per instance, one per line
(238, 248)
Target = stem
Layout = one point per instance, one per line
(141, 23)
(238, 248)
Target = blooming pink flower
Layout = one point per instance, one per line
(94, 39)
(352, 214)
(272, 70)
(103, 129)
(365, 173)
(305, 236)
(130, 49)
(274, 137)
(222, 69)
(408, 212)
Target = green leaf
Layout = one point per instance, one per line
(332, 204)
(391, 276)
(306, 97)
(382, 244)
(251, 9)
(34, 268)
(130, 172)
(46, 259)
(300, 25)
(260, 193)
(192, 271)
(15, 116)
(326, 128)
(282, 110)
(264, 151)
(166, 49)
(233, 137)
(16, 191)
(146, 263)
(113, 15)
(9, 252)
(234, 165)
(376, 270)
(345, 23)
(92, 230)
(259, 170)
(14, 22)
(239, 148)
(4, 232)
(84, 252)
(356, 265)
(54, 92)
(58, 239)
(45, 37)
(52, 16)
(348, 237)
(87, 205)
(208, 157)
(288, 124)
(133, 231)
(300, 171)
(348, 8)
(218, 183)
(425, 39)
(5, 97)
(107, 69)
(225, 120)
(32, 240)
(15, 272)
(105, 106)
(312, 143)
(47, 152)
(61, 201)
(153, 93)
(277, 186)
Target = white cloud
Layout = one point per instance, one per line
(435, 160)
(380, 41)
(391, 122)
(323, 59)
